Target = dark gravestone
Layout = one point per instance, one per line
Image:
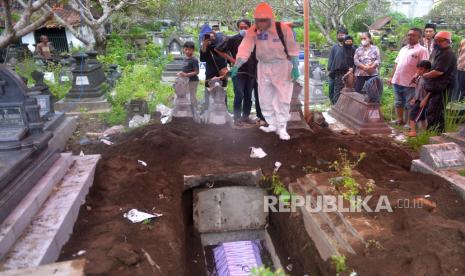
(24, 152)
(65, 73)
(92, 57)
(137, 107)
(353, 111)
(42, 94)
(89, 80)
(113, 75)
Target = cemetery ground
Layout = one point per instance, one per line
(409, 241)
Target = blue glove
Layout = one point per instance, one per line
(295, 73)
(234, 71)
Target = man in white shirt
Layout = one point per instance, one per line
(404, 71)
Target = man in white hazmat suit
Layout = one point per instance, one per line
(278, 67)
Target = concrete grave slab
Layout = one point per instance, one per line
(68, 268)
(333, 233)
(43, 238)
(229, 209)
(15, 224)
(444, 160)
(243, 178)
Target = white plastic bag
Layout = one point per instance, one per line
(257, 153)
(136, 216)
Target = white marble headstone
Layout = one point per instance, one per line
(442, 156)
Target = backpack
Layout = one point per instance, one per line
(373, 90)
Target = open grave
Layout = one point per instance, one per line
(185, 163)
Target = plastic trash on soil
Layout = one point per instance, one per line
(106, 142)
(136, 216)
(257, 153)
(165, 113)
(142, 163)
(277, 165)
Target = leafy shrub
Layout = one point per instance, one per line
(421, 139)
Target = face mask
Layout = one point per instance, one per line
(242, 32)
(348, 46)
(365, 42)
(340, 39)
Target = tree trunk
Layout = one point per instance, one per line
(100, 39)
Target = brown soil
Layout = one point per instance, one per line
(428, 241)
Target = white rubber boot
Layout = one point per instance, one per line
(282, 133)
(268, 129)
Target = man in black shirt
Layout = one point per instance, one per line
(440, 80)
(214, 63)
(337, 66)
(245, 81)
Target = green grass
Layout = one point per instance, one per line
(421, 139)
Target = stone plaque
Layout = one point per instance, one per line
(442, 156)
(11, 116)
(82, 80)
(44, 103)
(49, 76)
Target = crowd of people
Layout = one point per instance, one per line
(263, 62)
(425, 74)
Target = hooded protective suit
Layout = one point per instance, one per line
(274, 69)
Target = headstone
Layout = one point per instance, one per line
(174, 45)
(158, 38)
(455, 137)
(353, 111)
(89, 80)
(24, 152)
(442, 156)
(229, 209)
(137, 107)
(297, 120)
(113, 74)
(42, 94)
(217, 112)
(65, 73)
(182, 102)
(92, 57)
(317, 95)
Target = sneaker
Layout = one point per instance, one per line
(283, 135)
(268, 129)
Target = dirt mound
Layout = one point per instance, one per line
(413, 241)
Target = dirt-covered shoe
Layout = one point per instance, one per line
(283, 135)
(268, 129)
